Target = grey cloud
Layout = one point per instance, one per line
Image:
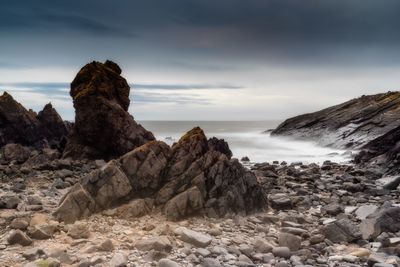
(176, 99)
(186, 86)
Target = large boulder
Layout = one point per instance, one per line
(21, 126)
(387, 219)
(194, 176)
(103, 127)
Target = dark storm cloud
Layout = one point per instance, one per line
(265, 21)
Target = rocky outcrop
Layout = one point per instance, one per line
(352, 124)
(194, 176)
(21, 126)
(383, 151)
(103, 127)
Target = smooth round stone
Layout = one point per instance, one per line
(283, 252)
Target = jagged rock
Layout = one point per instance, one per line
(188, 178)
(25, 127)
(185, 204)
(53, 126)
(383, 220)
(103, 127)
(351, 124)
(342, 230)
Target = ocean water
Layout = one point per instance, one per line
(248, 138)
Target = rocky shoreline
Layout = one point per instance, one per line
(103, 192)
(329, 215)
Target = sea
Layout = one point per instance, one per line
(251, 139)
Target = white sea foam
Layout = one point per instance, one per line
(248, 139)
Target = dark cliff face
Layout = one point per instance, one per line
(383, 151)
(349, 125)
(103, 127)
(22, 126)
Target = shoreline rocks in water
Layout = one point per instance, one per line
(352, 124)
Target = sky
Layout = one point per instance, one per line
(204, 59)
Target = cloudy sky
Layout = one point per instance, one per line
(204, 59)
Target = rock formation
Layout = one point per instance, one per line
(194, 176)
(25, 127)
(349, 125)
(103, 127)
(383, 151)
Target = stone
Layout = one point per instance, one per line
(244, 258)
(14, 153)
(332, 209)
(192, 237)
(282, 252)
(18, 237)
(167, 263)
(101, 101)
(100, 189)
(280, 201)
(134, 209)
(186, 203)
(61, 255)
(106, 245)
(19, 223)
(246, 249)
(33, 254)
(203, 252)
(389, 182)
(262, 246)
(315, 239)
(282, 264)
(118, 260)
(361, 252)
(383, 220)
(9, 201)
(158, 243)
(291, 241)
(79, 230)
(210, 262)
(342, 230)
(363, 211)
(49, 262)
